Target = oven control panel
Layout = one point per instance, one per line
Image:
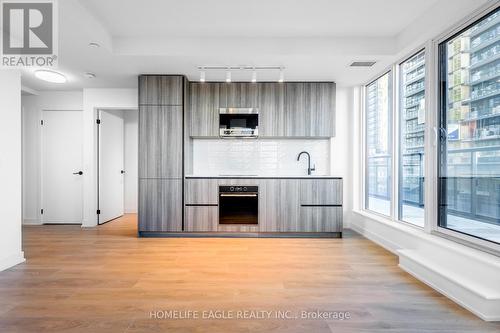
(238, 189)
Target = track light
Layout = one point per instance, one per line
(254, 76)
(202, 75)
(282, 76)
(228, 76)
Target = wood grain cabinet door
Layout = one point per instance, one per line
(321, 109)
(160, 207)
(238, 95)
(203, 191)
(320, 219)
(201, 218)
(160, 141)
(203, 109)
(271, 109)
(160, 90)
(309, 109)
(296, 121)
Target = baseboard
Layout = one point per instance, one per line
(377, 239)
(11, 260)
(483, 304)
(130, 211)
(31, 222)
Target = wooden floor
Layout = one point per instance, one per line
(107, 280)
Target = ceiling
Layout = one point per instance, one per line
(314, 40)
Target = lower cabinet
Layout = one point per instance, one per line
(201, 218)
(160, 205)
(320, 219)
(285, 205)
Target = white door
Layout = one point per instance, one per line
(62, 167)
(111, 165)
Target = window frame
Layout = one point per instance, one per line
(388, 70)
(436, 229)
(431, 151)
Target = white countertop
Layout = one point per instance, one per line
(265, 176)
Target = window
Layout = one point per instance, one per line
(469, 150)
(411, 141)
(378, 145)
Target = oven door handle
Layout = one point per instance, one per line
(238, 195)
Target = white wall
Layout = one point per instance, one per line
(131, 123)
(10, 169)
(32, 107)
(341, 146)
(94, 99)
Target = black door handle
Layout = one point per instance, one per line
(122, 172)
(78, 173)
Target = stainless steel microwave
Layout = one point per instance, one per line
(239, 122)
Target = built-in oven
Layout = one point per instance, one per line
(238, 204)
(239, 122)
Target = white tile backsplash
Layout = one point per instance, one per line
(259, 156)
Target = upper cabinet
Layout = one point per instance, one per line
(309, 109)
(292, 109)
(203, 106)
(161, 90)
(238, 95)
(271, 109)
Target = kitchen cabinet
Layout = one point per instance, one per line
(321, 191)
(201, 191)
(285, 204)
(201, 218)
(238, 95)
(271, 109)
(160, 207)
(161, 113)
(320, 219)
(309, 109)
(279, 205)
(203, 108)
(160, 141)
(161, 90)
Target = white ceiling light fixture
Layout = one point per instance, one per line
(94, 45)
(282, 76)
(50, 76)
(202, 75)
(254, 76)
(228, 75)
(90, 75)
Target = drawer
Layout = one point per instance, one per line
(321, 191)
(201, 218)
(201, 191)
(320, 219)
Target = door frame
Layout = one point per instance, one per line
(97, 131)
(41, 169)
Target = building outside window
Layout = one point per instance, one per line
(469, 149)
(378, 145)
(412, 126)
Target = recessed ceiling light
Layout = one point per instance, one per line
(89, 75)
(50, 76)
(94, 45)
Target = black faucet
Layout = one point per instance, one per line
(309, 169)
